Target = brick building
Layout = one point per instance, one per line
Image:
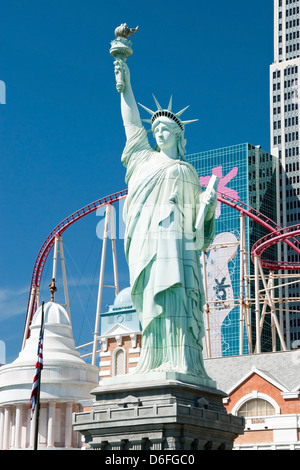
(264, 388)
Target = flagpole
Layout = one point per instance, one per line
(37, 417)
(37, 411)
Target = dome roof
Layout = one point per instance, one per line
(123, 299)
(54, 314)
(65, 376)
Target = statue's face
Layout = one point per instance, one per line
(165, 138)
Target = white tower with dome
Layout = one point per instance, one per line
(66, 381)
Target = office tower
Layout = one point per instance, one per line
(248, 174)
(284, 114)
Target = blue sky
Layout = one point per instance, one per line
(61, 134)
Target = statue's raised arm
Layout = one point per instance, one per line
(121, 50)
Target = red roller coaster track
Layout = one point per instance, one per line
(276, 235)
(272, 239)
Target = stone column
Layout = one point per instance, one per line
(6, 430)
(1, 427)
(18, 426)
(51, 418)
(68, 425)
(32, 431)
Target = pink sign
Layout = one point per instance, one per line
(222, 188)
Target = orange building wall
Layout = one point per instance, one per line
(255, 436)
(127, 345)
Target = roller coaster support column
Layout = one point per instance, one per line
(33, 292)
(264, 309)
(114, 249)
(271, 304)
(63, 270)
(257, 308)
(206, 308)
(247, 299)
(58, 248)
(109, 220)
(55, 257)
(272, 293)
(244, 295)
(241, 296)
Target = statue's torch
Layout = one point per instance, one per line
(121, 50)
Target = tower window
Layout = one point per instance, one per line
(119, 362)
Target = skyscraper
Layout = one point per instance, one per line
(247, 173)
(284, 117)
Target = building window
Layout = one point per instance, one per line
(256, 407)
(119, 364)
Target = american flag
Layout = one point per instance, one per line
(34, 398)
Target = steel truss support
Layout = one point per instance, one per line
(244, 295)
(268, 300)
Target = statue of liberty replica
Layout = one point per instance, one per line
(168, 221)
(169, 402)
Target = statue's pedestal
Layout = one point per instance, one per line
(157, 413)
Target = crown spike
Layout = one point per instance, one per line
(182, 111)
(156, 102)
(147, 109)
(188, 122)
(166, 113)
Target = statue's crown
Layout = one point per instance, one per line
(166, 113)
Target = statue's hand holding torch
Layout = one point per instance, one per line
(122, 75)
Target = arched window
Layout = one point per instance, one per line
(119, 362)
(256, 407)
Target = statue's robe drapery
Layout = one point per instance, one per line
(162, 250)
